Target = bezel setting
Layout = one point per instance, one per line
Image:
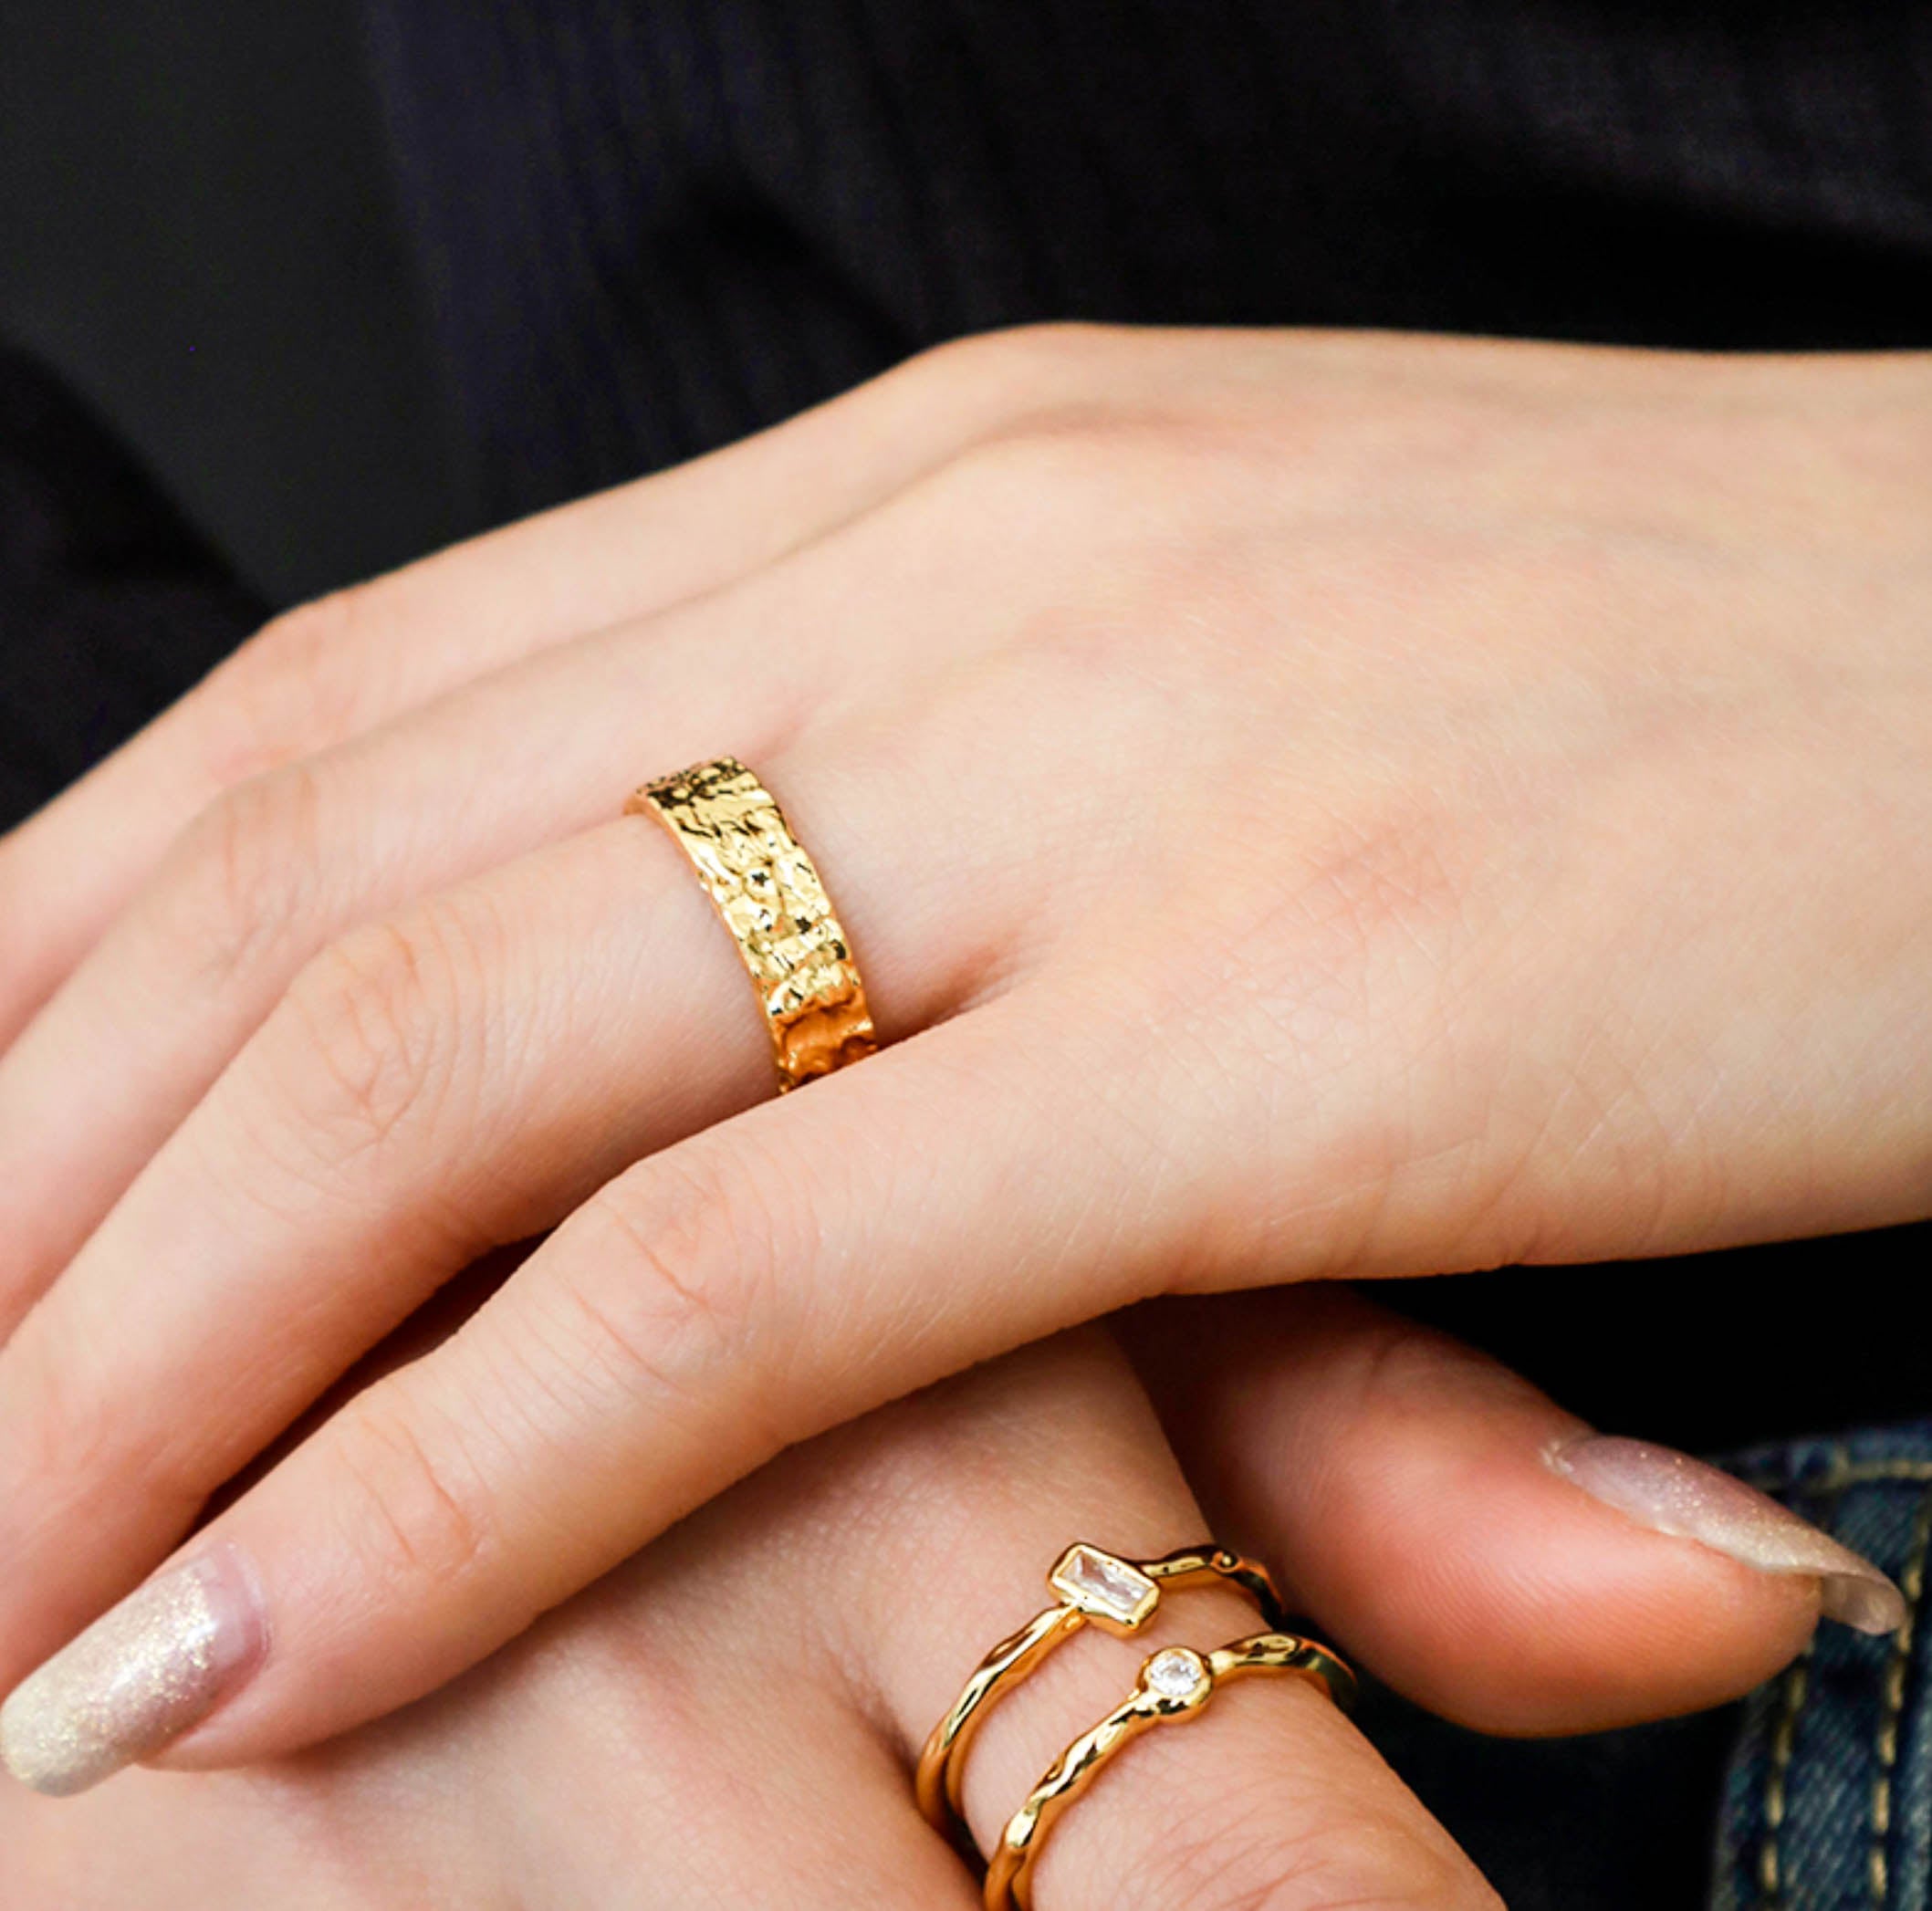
(1109, 1591)
(1178, 1675)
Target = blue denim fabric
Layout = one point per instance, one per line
(1827, 1802)
(1815, 1794)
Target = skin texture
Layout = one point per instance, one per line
(802, 1633)
(1306, 807)
(797, 1637)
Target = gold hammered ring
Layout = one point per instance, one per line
(770, 894)
(1091, 1587)
(1175, 1683)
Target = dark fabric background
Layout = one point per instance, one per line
(650, 228)
(356, 275)
(110, 606)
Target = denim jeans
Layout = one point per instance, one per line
(1815, 1794)
(1827, 1802)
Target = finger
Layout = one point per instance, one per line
(1405, 1483)
(257, 888)
(344, 664)
(919, 1537)
(871, 1569)
(740, 1291)
(458, 1078)
(287, 860)
(971, 1188)
(600, 1767)
(602, 1758)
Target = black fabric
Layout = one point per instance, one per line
(1709, 1352)
(440, 263)
(1608, 1822)
(110, 606)
(654, 228)
(199, 233)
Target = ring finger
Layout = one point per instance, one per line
(333, 670)
(288, 860)
(459, 1075)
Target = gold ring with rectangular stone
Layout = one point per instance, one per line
(1091, 1587)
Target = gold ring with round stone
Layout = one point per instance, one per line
(769, 893)
(1093, 1587)
(1175, 1683)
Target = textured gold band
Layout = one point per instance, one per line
(1174, 1684)
(1093, 1587)
(769, 893)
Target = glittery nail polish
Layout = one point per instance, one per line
(138, 1678)
(1671, 1493)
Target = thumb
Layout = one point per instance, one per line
(1481, 1550)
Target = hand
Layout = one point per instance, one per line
(731, 1717)
(730, 1720)
(1304, 806)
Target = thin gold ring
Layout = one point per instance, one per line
(1175, 1683)
(1093, 1587)
(769, 893)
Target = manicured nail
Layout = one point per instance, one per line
(1672, 1493)
(138, 1678)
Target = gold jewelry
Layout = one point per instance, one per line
(1175, 1683)
(769, 893)
(1096, 1588)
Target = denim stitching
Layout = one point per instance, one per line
(1860, 1474)
(1798, 1688)
(1912, 1581)
(1784, 1739)
(1873, 1471)
(1807, 1473)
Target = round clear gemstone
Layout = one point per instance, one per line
(1176, 1673)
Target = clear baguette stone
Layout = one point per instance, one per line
(1176, 1673)
(1103, 1587)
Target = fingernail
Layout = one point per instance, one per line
(1671, 1493)
(138, 1678)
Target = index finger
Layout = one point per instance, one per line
(767, 1279)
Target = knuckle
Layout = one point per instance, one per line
(240, 880)
(416, 1507)
(1017, 362)
(1088, 483)
(64, 1450)
(300, 684)
(367, 1041)
(667, 1293)
(1058, 450)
